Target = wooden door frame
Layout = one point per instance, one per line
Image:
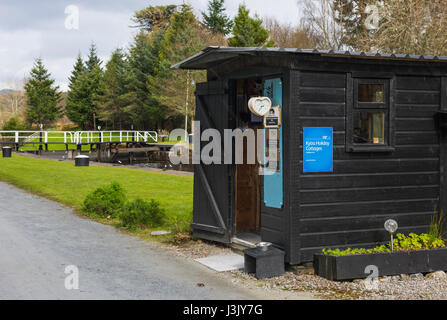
(232, 79)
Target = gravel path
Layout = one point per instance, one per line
(40, 238)
(386, 288)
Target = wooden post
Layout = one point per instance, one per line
(40, 142)
(98, 152)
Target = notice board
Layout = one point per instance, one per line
(318, 150)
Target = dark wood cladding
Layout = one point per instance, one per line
(212, 183)
(347, 208)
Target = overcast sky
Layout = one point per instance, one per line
(37, 28)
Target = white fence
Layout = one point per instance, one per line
(76, 137)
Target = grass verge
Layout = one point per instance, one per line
(69, 185)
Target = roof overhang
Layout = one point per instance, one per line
(212, 56)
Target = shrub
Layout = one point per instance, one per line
(69, 127)
(14, 124)
(105, 201)
(181, 224)
(141, 214)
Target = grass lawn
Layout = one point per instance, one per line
(65, 183)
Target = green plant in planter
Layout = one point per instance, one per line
(418, 242)
(349, 251)
(401, 243)
(437, 224)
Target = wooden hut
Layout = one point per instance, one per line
(379, 119)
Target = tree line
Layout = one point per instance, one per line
(138, 89)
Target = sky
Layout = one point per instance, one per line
(48, 29)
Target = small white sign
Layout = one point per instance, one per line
(273, 118)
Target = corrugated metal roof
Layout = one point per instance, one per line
(212, 55)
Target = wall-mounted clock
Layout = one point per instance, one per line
(260, 106)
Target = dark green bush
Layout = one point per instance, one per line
(141, 214)
(14, 124)
(105, 201)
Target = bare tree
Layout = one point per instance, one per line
(410, 26)
(321, 20)
(12, 103)
(285, 35)
(392, 26)
(16, 97)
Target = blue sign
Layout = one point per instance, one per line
(318, 150)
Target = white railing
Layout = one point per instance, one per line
(77, 137)
(32, 137)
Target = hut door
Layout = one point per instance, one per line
(212, 182)
(248, 195)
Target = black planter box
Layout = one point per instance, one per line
(392, 263)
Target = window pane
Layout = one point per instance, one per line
(369, 127)
(371, 93)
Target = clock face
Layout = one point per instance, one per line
(260, 106)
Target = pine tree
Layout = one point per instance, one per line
(43, 97)
(78, 69)
(82, 98)
(73, 95)
(111, 101)
(141, 105)
(82, 104)
(216, 19)
(93, 59)
(172, 89)
(249, 32)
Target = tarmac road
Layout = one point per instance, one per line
(40, 238)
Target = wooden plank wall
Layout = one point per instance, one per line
(349, 207)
